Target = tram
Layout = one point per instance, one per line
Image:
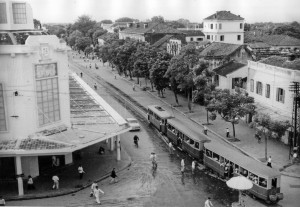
(189, 138)
(266, 181)
(158, 116)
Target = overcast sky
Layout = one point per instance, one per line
(67, 11)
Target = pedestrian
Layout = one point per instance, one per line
(133, 87)
(182, 165)
(226, 170)
(97, 192)
(193, 166)
(93, 187)
(80, 171)
(30, 185)
(101, 150)
(227, 132)
(55, 182)
(269, 162)
(2, 201)
(90, 66)
(113, 176)
(115, 77)
(294, 157)
(81, 74)
(208, 203)
(205, 130)
(95, 86)
(170, 148)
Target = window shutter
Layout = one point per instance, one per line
(277, 94)
(283, 95)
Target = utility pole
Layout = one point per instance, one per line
(295, 141)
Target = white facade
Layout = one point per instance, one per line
(226, 31)
(276, 95)
(194, 38)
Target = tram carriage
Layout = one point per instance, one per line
(158, 117)
(266, 181)
(189, 138)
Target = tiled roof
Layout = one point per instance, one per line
(218, 49)
(40, 144)
(280, 40)
(282, 62)
(7, 144)
(258, 45)
(224, 15)
(191, 33)
(120, 24)
(162, 40)
(228, 68)
(151, 28)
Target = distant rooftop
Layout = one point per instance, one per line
(218, 49)
(228, 68)
(224, 15)
(191, 33)
(150, 27)
(282, 62)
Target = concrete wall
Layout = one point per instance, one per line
(30, 166)
(139, 37)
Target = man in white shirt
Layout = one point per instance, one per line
(93, 187)
(269, 162)
(97, 192)
(208, 203)
(55, 182)
(80, 171)
(170, 148)
(193, 166)
(182, 165)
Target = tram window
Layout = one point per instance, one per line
(244, 172)
(236, 169)
(192, 142)
(180, 135)
(263, 182)
(197, 145)
(274, 182)
(222, 160)
(216, 157)
(208, 153)
(169, 127)
(186, 139)
(150, 112)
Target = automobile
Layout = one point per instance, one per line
(134, 124)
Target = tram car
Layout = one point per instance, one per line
(227, 162)
(189, 138)
(158, 116)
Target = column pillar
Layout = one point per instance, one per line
(18, 164)
(112, 143)
(118, 148)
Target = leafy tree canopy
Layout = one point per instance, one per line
(106, 21)
(84, 23)
(287, 30)
(175, 24)
(158, 19)
(124, 19)
(37, 24)
(82, 42)
(97, 34)
(73, 36)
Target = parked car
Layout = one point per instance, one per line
(134, 124)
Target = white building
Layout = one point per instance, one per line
(225, 27)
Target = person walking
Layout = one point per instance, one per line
(93, 187)
(2, 201)
(227, 132)
(80, 171)
(208, 203)
(170, 148)
(113, 176)
(205, 130)
(95, 86)
(133, 87)
(97, 192)
(182, 165)
(81, 74)
(30, 185)
(55, 182)
(193, 166)
(269, 162)
(153, 158)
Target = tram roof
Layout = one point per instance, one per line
(242, 160)
(188, 129)
(161, 112)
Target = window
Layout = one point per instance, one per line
(222, 38)
(211, 26)
(200, 39)
(192, 39)
(280, 95)
(239, 37)
(268, 91)
(216, 80)
(241, 25)
(3, 17)
(216, 26)
(252, 85)
(47, 93)
(220, 26)
(3, 126)
(258, 87)
(197, 145)
(19, 13)
(208, 37)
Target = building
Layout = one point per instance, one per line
(224, 27)
(193, 35)
(41, 121)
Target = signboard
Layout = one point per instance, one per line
(45, 70)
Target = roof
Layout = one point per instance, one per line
(190, 130)
(258, 45)
(224, 15)
(191, 33)
(162, 40)
(161, 112)
(280, 40)
(218, 49)
(242, 160)
(151, 28)
(282, 62)
(229, 68)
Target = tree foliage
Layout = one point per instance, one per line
(37, 24)
(106, 21)
(158, 19)
(287, 30)
(124, 19)
(97, 34)
(82, 42)
(73, 37)
(83, 24)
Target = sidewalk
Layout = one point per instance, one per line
(96, 166)
(244, 134)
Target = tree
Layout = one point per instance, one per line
(97, 34)
(82, 42)
(73, 37)
(158, 69)
(268, 127)
(124, 19)
(295, 24)
(231, 106)
(175, 24)
(37, 24)
(88, 50)
(83, 24)
(247, 27)
(158, 19)
(287, 30)
(185, 22)
(106, 21)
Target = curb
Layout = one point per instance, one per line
(30, 197)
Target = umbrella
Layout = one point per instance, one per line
(239, 183)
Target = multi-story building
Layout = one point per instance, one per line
(224, 27)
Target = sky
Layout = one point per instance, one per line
(67, 11)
